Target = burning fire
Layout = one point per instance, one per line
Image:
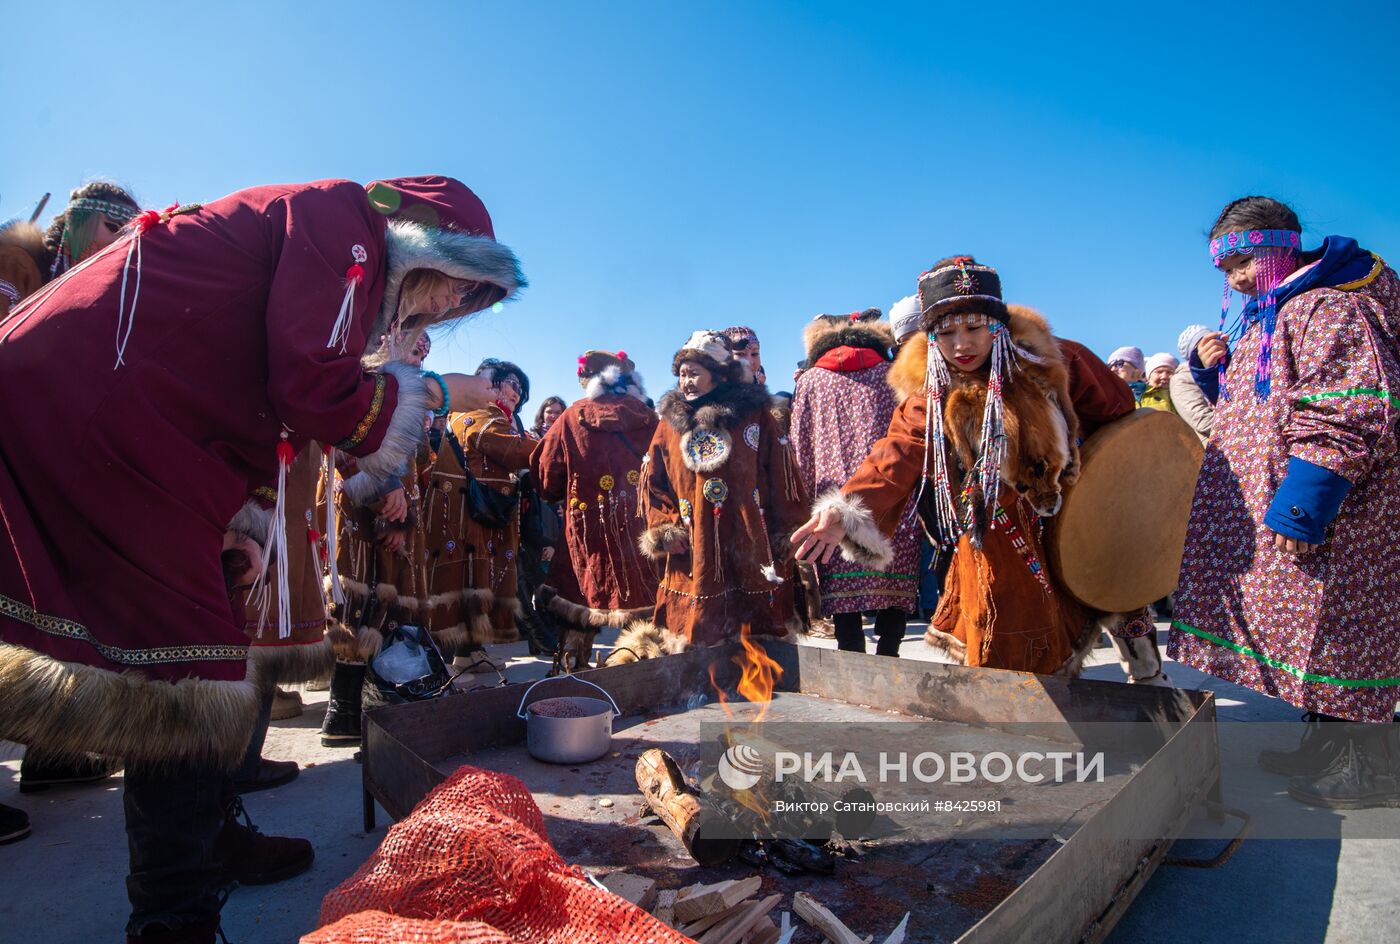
(758, 673)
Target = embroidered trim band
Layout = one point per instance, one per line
(1229, 244)
(376, 404)
(68, 629)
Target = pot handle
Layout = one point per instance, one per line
(520, 712)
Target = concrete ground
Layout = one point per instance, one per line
(65, 882)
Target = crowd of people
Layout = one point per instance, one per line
(274, 488)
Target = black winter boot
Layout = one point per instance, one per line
(1364, 773)
(1319, 745)
(342, 725)
(39, 771)
(14, 824)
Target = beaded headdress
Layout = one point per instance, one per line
(965, 293)
(1275, 253)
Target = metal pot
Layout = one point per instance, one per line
(569, 740)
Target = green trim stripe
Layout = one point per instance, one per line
(1352, 392)
(1284, 666)
(873, 573)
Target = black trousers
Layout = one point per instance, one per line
(174, 814)
(890, 625)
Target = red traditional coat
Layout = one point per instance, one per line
(114, 562)
(591, 460)
(720, 474)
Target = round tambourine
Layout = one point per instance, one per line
(1117, 543)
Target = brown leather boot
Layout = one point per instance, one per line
(250, 858)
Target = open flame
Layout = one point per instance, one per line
(758, 674)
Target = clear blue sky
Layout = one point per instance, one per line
(661, 167)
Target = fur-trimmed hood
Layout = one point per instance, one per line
(410, 246)
(1029, 330)
(828, 332)
(719, 409)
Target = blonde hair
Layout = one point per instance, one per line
(418, 286)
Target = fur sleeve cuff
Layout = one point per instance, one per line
(365, 489)
(405, 430)
(253, 521)
(652, 542)
(864, 543)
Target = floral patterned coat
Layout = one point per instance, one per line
(1320, 630)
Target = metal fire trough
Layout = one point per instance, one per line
(997, 878)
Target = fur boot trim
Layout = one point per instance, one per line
(955, 647)
(450, 639)
(480, 632)
(652, 541)
(864, 543)
(409, 246)
(405, 431)
(70, 709)
(359, 646)
(293, 664)
(586, 617)
(1095, 625)
(645, 640)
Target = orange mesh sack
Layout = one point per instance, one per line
(472, 865)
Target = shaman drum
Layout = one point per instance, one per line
(1116, 544)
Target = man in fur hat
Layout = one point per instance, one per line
(591, 461)
(120, 629)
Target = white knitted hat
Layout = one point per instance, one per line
(905, 316)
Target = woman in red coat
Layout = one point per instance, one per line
(591, 460)
(184, 356)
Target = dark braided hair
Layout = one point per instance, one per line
(93, 190)
(1255, 213)
(1248, 213)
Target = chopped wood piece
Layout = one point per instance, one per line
(762, 931)
(696, 928)
(665, 910)
(701, 901)
(730, 931)
(815, 914)
(897, 935)
(636, 889)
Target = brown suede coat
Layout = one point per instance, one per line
(495, 452)
(993, 604)
(383, 589)
(721, 475)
